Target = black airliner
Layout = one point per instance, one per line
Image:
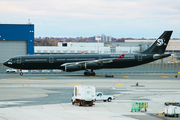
(75, 62)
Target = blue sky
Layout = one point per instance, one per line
(74, 18)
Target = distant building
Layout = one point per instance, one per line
(129, 46)
(173, 45)
(103, 38)
(80, 44)
(87, 48)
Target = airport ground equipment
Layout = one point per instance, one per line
(171, 110)
(83, 95)
(139, 106)
(11, 70)
(178, 73)
(100, 96)
(172, 103)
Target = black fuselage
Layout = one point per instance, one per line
(75, 62)
(55, 61)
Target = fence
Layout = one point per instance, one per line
(146, 68)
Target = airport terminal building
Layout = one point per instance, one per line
(15, 39)
(129, 46)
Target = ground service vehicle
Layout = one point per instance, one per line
(100, 96)
(83, 95)
(11, 70)
(172, 111)
(25, 71)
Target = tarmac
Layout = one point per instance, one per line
(48, 96)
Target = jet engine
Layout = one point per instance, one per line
(71, 68)
(92, 65)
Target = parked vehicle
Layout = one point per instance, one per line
(172, 111)
(25, 71)
(11, 70)
(56, 71)
(100, 96)
(35, 71)
(83, 95)
(46, 71)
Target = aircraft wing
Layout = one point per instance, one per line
(99, 61)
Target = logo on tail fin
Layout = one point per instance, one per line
(160, 42)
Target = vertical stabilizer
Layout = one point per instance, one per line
(159, 46)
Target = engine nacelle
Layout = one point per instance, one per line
(71, 68)
(92, 65)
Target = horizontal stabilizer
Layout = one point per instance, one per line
(158, 56)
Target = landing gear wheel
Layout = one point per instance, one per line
(93, 74)
(109, 99)
(72, 103)
(80, 103)
(86, 73)
(21, 74)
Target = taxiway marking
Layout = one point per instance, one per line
(74, 84)
(21, 79)
(165, 76)
(94, 76)
(126, 76)
(12, 78)
(31, 85)
(113, 81)
(38, 77)
(64, 77)
(120, 84)
(80, 81)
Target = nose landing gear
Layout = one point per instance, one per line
(89, 73)
(20, 72)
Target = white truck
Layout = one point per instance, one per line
(172, 111)
(11, 70)
(100, 96)
(83, 95)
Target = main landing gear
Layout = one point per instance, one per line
(89, 73)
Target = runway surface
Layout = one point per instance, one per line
(47, 96)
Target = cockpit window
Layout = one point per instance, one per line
(10, 60)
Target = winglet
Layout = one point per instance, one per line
(121, 56)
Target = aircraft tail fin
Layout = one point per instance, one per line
(159, 46)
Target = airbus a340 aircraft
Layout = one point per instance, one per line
(75, 62)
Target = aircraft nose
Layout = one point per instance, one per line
(5, 63)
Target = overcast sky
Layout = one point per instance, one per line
(74, 18)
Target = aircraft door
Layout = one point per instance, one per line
(51, 60)
(139, 57)
(18, 60)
